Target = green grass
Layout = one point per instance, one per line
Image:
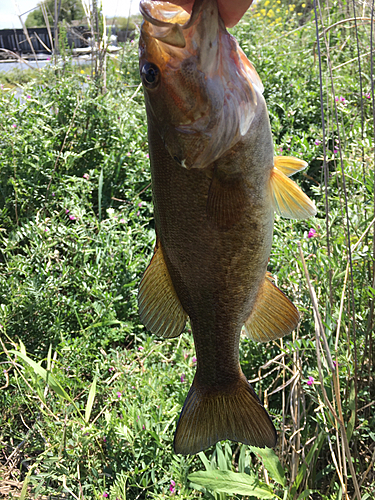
(90, 403)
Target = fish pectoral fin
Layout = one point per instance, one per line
(159, 307)
(288, 199)
(273, 316)
(212, 415)
(289, 165)
(226, 200)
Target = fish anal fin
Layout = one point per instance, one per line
(289, 165)
(273, 316)
(288, 199)
(209, 416)
(226, 200)
(159, 307)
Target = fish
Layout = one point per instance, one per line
(216, 186)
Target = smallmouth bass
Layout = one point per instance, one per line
(216, 186)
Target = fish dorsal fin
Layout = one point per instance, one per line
(273, 315)
(288, 199)
(289, 165)
(226, 200)
(159, 307)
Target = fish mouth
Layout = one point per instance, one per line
(166, 21)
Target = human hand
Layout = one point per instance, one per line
(230, 11)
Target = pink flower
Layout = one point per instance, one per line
(86, 176)
(172, 488)
(335, 151)
(143, 427)
(317, 142)
(118, 394)
(342, 99)
(194, 360)
(312, 233)
(122, 221)
(147, 155)
(14, 125)
(72, 217)
(128, 154)
(182, 378)
(310, 381)
(140, 348)
(140, 204)
(105, 494)
(28, 97)
(368, 96)
(336, 99)
(67, 210)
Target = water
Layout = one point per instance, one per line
(6, 66)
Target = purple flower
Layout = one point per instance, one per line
(138, 213)
(310, 381)
(342, 99)
(182, 378)
(312, 233)
(110, 369)
(335, 151)
(140, 348)
(193, 360)
(143, 427)
(118, 394)
(53, 194)
(105, 494)
(72, 217)
(172, 488)
(28, 97)
(14, 125)
(48, 58)
(317, 142)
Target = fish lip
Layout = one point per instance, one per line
(147, 16)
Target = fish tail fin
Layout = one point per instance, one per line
(209, 416)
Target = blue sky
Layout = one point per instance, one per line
(10, 8)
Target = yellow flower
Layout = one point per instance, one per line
(303, 5)
(82, 72)
(299, 14)
(278, 1)
(266, 3)
(277, 10)
(292, 7)
(278, 19)
(270, 13)
(263, 11)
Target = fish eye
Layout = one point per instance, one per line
(150, 75)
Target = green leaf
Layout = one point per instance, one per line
(232, 483)
(205, 460)
(46, 376)
(90, 400)
(271, 463)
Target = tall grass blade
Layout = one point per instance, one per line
(90, 400)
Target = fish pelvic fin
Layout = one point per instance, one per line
(211, 415)
(288, 199)
(273, 315)
(160, 308)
